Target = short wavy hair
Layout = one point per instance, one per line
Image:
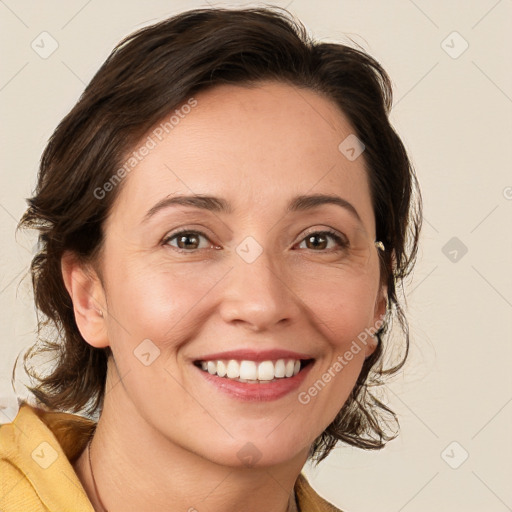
(147, 75)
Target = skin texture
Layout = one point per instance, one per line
(166, 435)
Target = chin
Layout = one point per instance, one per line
(258, 452)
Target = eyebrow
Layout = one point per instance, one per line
(218, 205)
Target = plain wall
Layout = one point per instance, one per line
(453, 110)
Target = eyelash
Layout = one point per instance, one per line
(343, 244)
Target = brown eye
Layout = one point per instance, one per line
(316, 241)
(186, 240)
(319, 241)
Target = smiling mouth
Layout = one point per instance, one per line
(254, 372)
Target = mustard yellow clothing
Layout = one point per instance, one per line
(37, 450)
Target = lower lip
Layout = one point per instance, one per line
(257, 392)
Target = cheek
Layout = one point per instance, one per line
(342, 308)
(168, 303)
(157, 303)
(343, 313)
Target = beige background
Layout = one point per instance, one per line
(453, 111)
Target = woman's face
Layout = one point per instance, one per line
(257, 275)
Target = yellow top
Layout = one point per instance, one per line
(37, 450)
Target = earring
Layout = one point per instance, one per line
(379, 245)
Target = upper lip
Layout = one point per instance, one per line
(254, 355)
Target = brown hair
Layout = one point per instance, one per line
(147, 75)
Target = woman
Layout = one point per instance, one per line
(224, 218)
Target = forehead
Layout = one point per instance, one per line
(255, 146)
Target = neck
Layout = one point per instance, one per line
(136, 468)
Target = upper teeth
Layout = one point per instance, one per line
(252, 370)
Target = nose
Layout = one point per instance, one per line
(259, 296)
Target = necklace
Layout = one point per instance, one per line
(292, 505)
(93, 479)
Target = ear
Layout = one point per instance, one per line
(88, 297)
(381, 305)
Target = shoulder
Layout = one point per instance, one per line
(308, 500)
(36, 450)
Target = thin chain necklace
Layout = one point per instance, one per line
(292, 507)
(93, 479)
